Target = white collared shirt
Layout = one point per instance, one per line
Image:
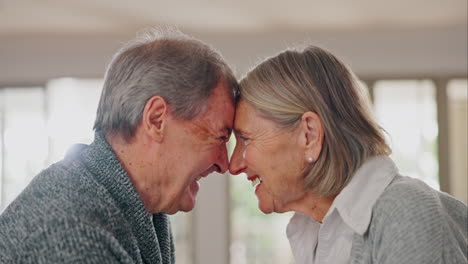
(350, 213)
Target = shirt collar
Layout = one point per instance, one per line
(355, 202)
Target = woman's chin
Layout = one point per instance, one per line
(271, 206)
(266, 209)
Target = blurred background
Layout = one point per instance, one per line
(410, 54)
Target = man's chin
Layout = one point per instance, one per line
(182, 208)
(187, 209)
(185, 204)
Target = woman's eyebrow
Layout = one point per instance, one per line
(239, 131)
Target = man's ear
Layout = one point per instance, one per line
(312, 134)
(154, 117)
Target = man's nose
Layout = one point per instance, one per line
(223, 161)
(237, 164)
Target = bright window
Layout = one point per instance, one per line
(458, 145)
(407, 110)
(255, 237)
(25, 139)
(71, 110)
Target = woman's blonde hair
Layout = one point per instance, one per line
(284, 87)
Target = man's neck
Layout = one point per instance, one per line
(138, 164)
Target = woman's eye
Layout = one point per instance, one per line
(244, 140)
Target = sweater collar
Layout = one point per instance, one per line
(106, 168)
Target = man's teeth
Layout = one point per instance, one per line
(203, 175)
(256, 181)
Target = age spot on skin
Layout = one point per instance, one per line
(199, 131)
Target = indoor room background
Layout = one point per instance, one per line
(410, 54)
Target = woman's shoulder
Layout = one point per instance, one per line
(409, 199)
(406, 191)
(413, 223)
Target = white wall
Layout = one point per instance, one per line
(435, 52)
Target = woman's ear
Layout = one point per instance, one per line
(312, 133)
(154, 117)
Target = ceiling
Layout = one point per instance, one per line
(22, 17)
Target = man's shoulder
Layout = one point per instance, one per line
(62, 189)
(61, 239)
(59, 192)
(55, 208)
(63, 183)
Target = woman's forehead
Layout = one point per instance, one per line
(248, 120)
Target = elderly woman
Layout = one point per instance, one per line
(308, 142)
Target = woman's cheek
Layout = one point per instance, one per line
(251, 152)
(245, 149)
(247, 155)
(252, 155)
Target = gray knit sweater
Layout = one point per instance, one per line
(412, 223)
(83, 209)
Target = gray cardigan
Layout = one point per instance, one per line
(413, 223)
(83, 209)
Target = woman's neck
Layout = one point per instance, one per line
(313, 206)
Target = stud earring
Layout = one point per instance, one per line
(310, 159)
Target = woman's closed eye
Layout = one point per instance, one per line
(244, 140)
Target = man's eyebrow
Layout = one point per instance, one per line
(227, 131)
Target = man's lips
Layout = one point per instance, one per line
(207, 172)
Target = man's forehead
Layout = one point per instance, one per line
(219, 112)
(228, 129)
(218, 122)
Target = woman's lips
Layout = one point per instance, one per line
(257, 187)
(256, 180)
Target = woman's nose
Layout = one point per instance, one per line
(237, 164)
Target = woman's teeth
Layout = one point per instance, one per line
(256, 181)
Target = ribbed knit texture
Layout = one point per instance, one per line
(412, 223)
(83, 209)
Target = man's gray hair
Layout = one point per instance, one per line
(165, 62)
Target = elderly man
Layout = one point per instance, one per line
(163, 120)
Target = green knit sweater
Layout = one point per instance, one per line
(83, 209)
